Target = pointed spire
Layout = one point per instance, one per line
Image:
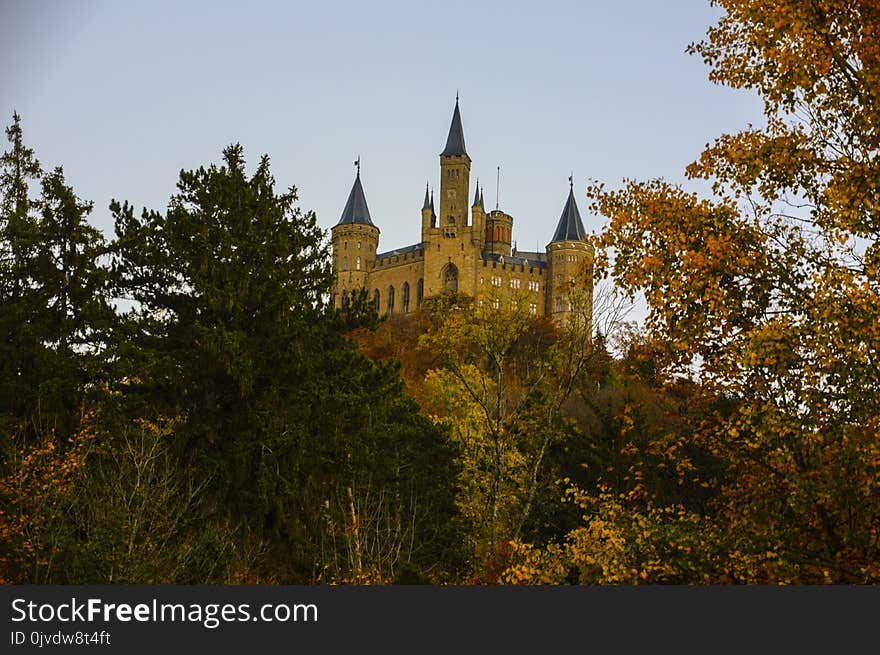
(482, 204)
(477, 194)
(432, 203)
(455, 140)
(356, 210)
(427, 203)
(570, 227)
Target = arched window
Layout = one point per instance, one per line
(450, 278)
(345, 263)
(420, 292)
(488, 233)
(559, 304)
(405, 297)
(390, 300)
(376, 300)
(345, 299)
(497, 233)
(357, 264)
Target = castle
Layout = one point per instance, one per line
(472, 257)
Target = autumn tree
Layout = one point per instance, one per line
(500, 385)
(770, 288)
(36, 492)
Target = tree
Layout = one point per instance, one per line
(18, 243)
(71, 281)
(55, 294)
(501, 384)
(302, 437)
(17, 166)
(770, 289)
(34, 498)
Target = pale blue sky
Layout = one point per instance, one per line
(125, 94)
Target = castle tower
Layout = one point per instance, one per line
(429, 218)
(570, 265)
(455, 172)
(478, 218)
(499, 228)
(354, 240)
(451, 249)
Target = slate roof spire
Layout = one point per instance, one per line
(477, 194)
(455, 140)
(356, 210)
(570, 227)
(427, 203)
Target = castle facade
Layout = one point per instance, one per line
(463, 249)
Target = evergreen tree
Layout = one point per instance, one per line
(54, 309)
(71, 284)
(302, 437)
(18, 166)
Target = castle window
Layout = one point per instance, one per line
(359, 245)
(376, 300)
(496, 304)
(420, 292)
(450, 278)
(345, 245)
(391, 300)
(533, 285)
(345, 263)
(514, 283)
(559, 304)
(533, 309)
(357, 264)
(481, 279)
(405, 297)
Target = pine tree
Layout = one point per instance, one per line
(71, 282)
(18, 221)
(54, 290)
(300, 435)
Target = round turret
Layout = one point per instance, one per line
(570, 266)
(354, 240)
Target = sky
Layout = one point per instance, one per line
(126, 94)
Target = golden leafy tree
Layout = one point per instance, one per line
(34, 497)
(501, 384)
(769, 293)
